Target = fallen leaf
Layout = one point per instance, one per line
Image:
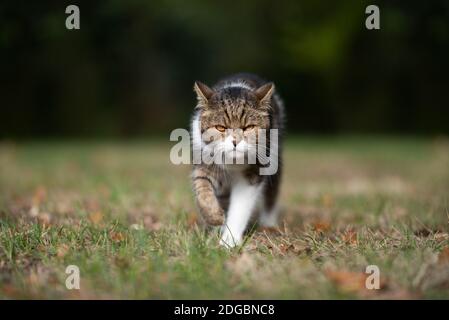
(152, 223)
(423, 232)
(92, 205)
(117, 236)
(350, 237)
(284, 248)
(40, 194)
(44, 218)
(298, 248)
(62, 251)
(270, 230)
(347, 281)
(321, 226)
(441, 236)
(192, 220)
(10, 291)
(96, 217)
(39, 276)
(443, 256)
(121, 262)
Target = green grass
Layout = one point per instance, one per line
(125, 216)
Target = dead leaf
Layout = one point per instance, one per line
(423, 232)
(92, 205)
(350, 237)
(96, 217)
(441, 236)
(270, 230)
(117, 236)
(121, 262)
(284, 248)
(298, 248)
(37, 277)
(44, 218)
(152, 223)
(192, 220)
(62, 251)
(321, 226)
(347, 281)
(40, 194)
(443, 256)
(10, 291)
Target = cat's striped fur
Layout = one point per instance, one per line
(230, 195)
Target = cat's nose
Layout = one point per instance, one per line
(234, 142)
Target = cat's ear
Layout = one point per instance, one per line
(264, 93)
(203, 93)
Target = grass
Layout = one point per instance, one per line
(125, 216)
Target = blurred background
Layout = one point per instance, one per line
(129, 70)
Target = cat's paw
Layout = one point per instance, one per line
(229, 241)
(215, 217)
(269, 219)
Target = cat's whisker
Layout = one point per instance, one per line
(243, 102)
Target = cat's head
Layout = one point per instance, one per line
(230, 117)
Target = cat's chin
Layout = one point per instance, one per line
(235, 157)
(236, 161)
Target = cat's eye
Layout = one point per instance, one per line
(250, 127)
(220, 128)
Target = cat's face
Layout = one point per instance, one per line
(230, 120)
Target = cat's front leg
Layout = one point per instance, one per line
(206, 200)
(244, 197)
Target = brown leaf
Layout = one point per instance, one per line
(284, 248)
(270, 230)
(350, 237)
(96, 217)
(92, 205)
(443, 256)
(347, 281)
(40, 194)
(192, 220)
(44, 218)
(62, 251)
(121, 262)
(298, 248)
(441, 236)
(152, 223)
(321, 226)
(423, 232)
(10, 291)
(117, 236)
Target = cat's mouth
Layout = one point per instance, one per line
(235, 152)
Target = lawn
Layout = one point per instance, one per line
(125, 215)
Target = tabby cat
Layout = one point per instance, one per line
(227, 123)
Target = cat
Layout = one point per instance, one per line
(230, 194)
